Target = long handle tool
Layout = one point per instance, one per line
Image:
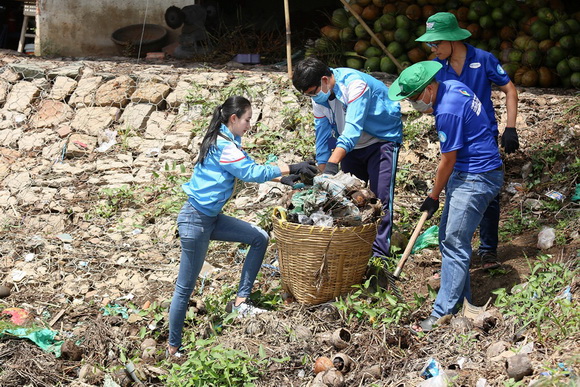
(392, 278)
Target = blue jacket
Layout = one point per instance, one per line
(361, 108)
(212, 183)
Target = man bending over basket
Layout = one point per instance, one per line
(358, 127)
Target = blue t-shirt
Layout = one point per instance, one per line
(480, 70)
(463, 126)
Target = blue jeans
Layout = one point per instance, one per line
(195, 231)
(467, 196)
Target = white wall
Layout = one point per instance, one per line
(84, 27)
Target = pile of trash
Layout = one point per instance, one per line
(335, 200)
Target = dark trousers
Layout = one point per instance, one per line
(377, 165)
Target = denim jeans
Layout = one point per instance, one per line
(195, 231)
(467, 196)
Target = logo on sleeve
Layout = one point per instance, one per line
(475, 65)
(442, 137)
(465, 93)
(500, 70)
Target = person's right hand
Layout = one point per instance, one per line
(430, 205)
(306, 168)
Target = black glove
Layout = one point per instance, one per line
(290, 180)
(331, 168)
(509, 140)
(306, 168)
(430, 205)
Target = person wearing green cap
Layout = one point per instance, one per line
(470, 171)
(477, 69)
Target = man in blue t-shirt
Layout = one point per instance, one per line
(478, 70)
(470, 170)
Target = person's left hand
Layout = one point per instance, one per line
(330, 169)
(509, 140)
(290, 180)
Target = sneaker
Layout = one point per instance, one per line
(245, 309)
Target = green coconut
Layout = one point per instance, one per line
(574, 63)
(354, 63)
(402, 35)
(546, 15)
(353, 22)
(532, 58)
(540, 30)
(497, 14)
(373, 51)
(373, 64)
(388, 21)
(559, 29)
(568, 42)
(563, 68)
(360, 32)
(574, 25)
(387, 65)
(515, 56)
(402, 21)
(395, 48)
(339, 18)
(486, 22)
(575, 80)
(556, 54)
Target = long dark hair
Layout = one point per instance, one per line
(234, 105)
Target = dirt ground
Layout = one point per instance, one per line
(97, 345)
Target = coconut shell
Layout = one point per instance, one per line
(322, 364)
(371, 12)
(530, 78)
(331, 32)
(546, 77)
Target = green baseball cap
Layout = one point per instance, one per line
(414, 79)
(443, 26)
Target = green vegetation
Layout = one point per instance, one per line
(212, 364)
(541, 302)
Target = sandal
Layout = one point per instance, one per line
(489, 260)
(426, 325)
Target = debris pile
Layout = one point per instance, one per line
(339, 200)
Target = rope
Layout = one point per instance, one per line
(142, 31)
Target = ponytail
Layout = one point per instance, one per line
(234, 105)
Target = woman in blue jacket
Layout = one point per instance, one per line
(220, 162)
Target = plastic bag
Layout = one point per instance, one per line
(546, 238)
(429, 238)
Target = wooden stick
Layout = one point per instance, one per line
(288, 41)
(372, 34)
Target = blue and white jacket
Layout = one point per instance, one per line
(212, 183)
(360, 115)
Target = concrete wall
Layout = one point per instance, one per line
(84, 27)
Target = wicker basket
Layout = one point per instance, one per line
(317, 263)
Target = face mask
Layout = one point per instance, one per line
(421, 106)
(321, 96)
